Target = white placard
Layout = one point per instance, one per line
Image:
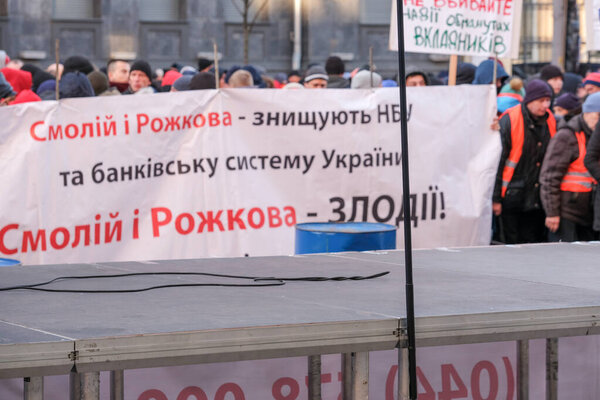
(461, 27)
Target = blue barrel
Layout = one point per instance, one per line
(331, 237)
(7, 262)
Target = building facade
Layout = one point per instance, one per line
(167, 31)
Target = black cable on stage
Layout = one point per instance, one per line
(410, 304)
(277, 281)
(323, 279)
(150, 287)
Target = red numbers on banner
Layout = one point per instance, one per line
(450, 376)
(484, 385)
(429, 393)
(153, 394)
(235, 390)
(196, 393)
(454, 387)
(476, 379)
(293, 389)
(192, 391)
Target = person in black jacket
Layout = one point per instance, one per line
(592, 163)
(566, 185)
(525, 131)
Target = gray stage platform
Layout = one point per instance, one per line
(461, 295)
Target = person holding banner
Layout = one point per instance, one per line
(484, 74)
(566, 185)
(525, 131)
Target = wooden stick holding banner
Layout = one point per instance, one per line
(371, 66)
(452, 70)
(216, 57)
(495, 76)
(56, 57)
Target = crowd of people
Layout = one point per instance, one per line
(78, 77)
(550, 162)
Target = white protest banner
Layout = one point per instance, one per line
(461, 27)
(229, 173)
(592, 20)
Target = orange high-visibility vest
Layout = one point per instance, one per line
(577, 178)
(517, 137)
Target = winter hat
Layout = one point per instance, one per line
(550, 71)
(514, 88)
(592, 103)
(5, 89)
(280, 77)
(141, 65)
(316, 72)
(484, 74)
(334, 65)
(465, 73)
(203, 80)
(204, 63)
(26, 96)
(46, 86)
(593, 78)
(19, 80)
(362, 80)
(188, 70)
(75, 84)
(572, 82)
(38, 75)
(536, 89)
(294, 73)
(568, 101)
(170, 77)
(99, 82)
(389, 83)
(182, 83)
(256, 78)
(78, 63)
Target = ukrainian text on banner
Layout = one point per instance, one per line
(462, 27)
(229, 173)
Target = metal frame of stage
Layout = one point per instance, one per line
(467, 295)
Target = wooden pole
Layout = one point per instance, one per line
(371, 66)
(495, 70)
(452, 70)
(216, 57)
(57, 58)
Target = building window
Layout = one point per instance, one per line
(159, 10)
(3, 8)
(73, 9)
(375, 12)
(536, 31)
(232, 10)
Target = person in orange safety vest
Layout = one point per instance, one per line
(566, 184)
(525, 131)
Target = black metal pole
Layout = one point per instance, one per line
(410, 303)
